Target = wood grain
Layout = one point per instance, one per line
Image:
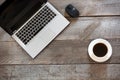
(70, 47)
(84, 27)
(90, 7)
(61, 72)
(58, 52)
(98, 19)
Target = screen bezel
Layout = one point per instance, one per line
(8, 28)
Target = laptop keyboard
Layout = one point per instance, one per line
(39, 21)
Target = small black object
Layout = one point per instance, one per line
(72, 11)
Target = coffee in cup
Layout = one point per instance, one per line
(100, 50)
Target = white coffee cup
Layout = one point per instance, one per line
(100, 50)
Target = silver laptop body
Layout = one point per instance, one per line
(40, 29)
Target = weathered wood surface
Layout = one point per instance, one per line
(61, 72)
(98, 19)
(90, 7)
(70, 46)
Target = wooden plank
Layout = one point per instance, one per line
(58, 52)
(4, 36)
(61, 72)
(90, 7)
(84, 27)
(70, 46)
(91, 27)
(86, 7)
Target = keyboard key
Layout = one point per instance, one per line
(37, 23)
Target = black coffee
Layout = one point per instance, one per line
(100, 50)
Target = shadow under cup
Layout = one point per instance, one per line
(100, 50)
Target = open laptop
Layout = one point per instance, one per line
(32, 23)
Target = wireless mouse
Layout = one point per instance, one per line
(72, 11)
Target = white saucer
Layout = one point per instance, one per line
(96, 58)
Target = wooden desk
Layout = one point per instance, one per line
(66, 58)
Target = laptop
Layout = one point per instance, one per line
(32, 23)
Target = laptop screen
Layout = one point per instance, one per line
(14, 13)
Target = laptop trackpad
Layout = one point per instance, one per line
(40, 41)
(48, 36)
